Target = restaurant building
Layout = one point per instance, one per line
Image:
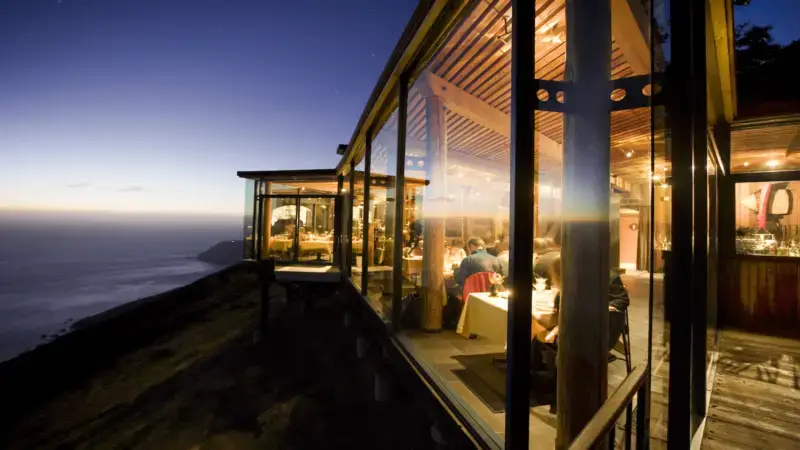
(604, 132)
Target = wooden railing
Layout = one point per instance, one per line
(602, 426)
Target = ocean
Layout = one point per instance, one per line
(58, 268)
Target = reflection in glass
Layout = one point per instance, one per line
(382, 222)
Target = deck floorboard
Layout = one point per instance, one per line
(755, 401)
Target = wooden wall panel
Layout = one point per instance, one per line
(760, 294)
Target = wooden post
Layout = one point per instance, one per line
(435, 193)
(583, 318)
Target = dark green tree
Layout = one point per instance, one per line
(766, 71)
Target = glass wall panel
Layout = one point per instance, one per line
(767, 222)
(712, 268)
(456, 216)
(358, 244)
(280, 221)
(382, 222)
(248, 232)
(662, 232)
(316, 230)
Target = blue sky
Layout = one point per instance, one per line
(153, 105)
(783, 15)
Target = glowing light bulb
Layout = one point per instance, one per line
(628, 154)
(772, 163)
(746, 163)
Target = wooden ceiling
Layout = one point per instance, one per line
(474, 65)
(766, 145)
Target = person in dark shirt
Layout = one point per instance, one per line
(546, 255)
(478, 261)
(618, 302)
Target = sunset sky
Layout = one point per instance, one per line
(153, 105)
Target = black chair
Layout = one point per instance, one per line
(626, 343)
(617, 327)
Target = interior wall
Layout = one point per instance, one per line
(628, 241)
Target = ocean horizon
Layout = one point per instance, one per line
(56, 269)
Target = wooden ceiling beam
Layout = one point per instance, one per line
(474, 109)
(629, 23)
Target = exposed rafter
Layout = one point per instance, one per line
(474, 109)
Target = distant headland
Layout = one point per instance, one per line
(224, 253)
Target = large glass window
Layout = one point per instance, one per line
(280, 228)
(357, 236)
(382, 222)
(316, 230)
(767, 221)
(456, 215)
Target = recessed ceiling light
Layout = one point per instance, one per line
(772, 163)
(628, 154)
(746, 163)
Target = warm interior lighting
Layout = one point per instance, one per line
(665, 198)
(665, 169)
(746, 163)
(772, 163)
(505, 48)
(628, 154)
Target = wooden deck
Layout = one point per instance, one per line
(755, 401)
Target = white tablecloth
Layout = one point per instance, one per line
(487, 316)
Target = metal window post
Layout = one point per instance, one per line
(680, 276)
(521, 225)
(399, 206)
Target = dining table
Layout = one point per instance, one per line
(323, 246)
(486, 315)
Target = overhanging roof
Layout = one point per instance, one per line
(289, 175)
